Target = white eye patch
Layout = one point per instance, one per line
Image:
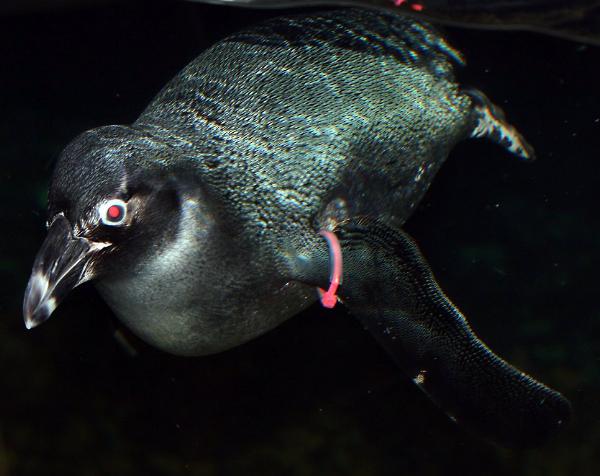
(113, 212)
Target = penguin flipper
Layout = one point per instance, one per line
(389, 287)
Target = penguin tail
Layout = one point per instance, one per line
(490, 122)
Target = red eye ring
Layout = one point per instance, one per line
(113, 212)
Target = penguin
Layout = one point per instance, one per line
(274, 171)
(577, 23)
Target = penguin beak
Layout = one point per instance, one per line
(60, 266)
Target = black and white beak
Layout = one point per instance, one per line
(61, 265)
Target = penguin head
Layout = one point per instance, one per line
(113, 198)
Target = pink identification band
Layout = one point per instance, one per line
(417, 7)
(329, 298)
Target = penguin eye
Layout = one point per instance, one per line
(113, 212)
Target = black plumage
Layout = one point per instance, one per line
(301, 124)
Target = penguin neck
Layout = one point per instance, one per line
(153, 296)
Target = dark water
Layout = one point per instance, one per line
(515, 245)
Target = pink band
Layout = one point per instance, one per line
(329, 298)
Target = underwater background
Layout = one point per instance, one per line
(515, 245)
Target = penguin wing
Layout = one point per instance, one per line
(389, 287)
